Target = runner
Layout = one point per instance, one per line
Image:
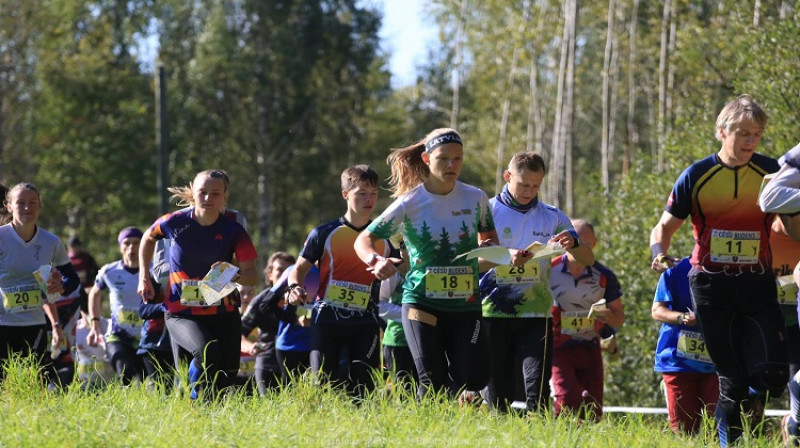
(260, 326)
(345, 312)
(24, 249)
(82, 261)
(588, 300)
(732, 282)
(517, 300)
(293, 342)
(439, 218)
(5, 215)
(62, 369)
(785, 263)
(120, 280)
(160, 273)
(689, 376)
(397, 360)
(202, 236)
(782, 194)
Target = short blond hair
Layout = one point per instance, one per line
(745, 106)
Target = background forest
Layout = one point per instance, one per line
(618, 96)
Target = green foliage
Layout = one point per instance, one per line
(623, 232)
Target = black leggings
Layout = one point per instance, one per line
(158, 366)
(398, 360)
(449, 349)
(293, 362)
(743, 329)
(214, 342)
(26, 341)
(127, 365)
(520, 346)
(268, 373)
(363, 346)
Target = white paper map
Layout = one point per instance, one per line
(42, 275)
(213, 297)
(500, 255)
(220, 276)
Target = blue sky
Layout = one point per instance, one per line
(406, 33)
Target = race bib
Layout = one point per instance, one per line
(247, 365)
(787, 290)
(449, 282)
(735, 247)
(514, 275)
(21, 298)
(352, 296)
(191, 294)
(129, 317)
(576, 322)
(691, 345)
(95, 367)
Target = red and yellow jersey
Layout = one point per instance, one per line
(731, 232)
(344, 281)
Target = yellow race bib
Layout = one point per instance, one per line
(347, 295)
(514, 275)
(736, 247)
(21, 298)
(191, 294)
(787, 290)
(576, 322)
(449, 282)
(129, 317)
(691, 345)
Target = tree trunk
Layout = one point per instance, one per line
(668, 106)
(604, 143)
(614, 93)
(556, 152)
(459, 57)
(501, 143)
(633, 133)
(570, 106)
(535, 135)
(756, 13)
(662, 86)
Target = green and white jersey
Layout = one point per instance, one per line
(437, 228)
(510, 291)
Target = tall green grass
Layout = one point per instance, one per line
(298, 415)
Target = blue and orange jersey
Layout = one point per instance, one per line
(330, 246)
(731, 232)
(194, 249)
(785, 256)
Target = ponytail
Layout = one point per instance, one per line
(408, 168)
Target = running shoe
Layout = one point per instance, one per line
(470, 398)
(789, 440)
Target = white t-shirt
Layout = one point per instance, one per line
(22, 299)
(782, 193)
(121, 284)
(529, 295)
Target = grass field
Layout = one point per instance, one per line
(299, 415)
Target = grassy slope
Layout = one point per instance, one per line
(299, 415)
